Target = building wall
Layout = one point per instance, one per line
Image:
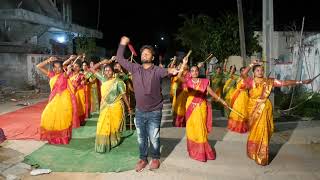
(13, 70)
(19, 71)
(287, 58)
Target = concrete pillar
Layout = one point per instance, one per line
(267, 34)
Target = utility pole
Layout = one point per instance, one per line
(241, 32)
(267, 34)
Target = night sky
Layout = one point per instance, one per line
(145, 22)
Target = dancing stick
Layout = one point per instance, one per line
(130, 116)
(236, 112)
(315, 77)
(209, 57)
(190, 51)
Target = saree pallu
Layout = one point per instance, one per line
(260, 121)
(92, 94)
(238, 100)
(179, 103)
(199, 122)
(59, 113)
(111, 120)
(228, 89)
(217, 84)
(173, 87)
(179, 107)
(80, 94)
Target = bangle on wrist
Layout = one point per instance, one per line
(251, 65)
(298, 82)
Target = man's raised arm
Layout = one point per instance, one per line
(129, 66)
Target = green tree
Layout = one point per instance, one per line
(194, 35)
(219, 36)
(85, 45)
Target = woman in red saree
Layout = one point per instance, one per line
(260, 111)
(198, 115)
(59, 113)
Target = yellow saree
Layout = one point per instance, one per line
(260, 120)
(112, 114)
(57, 117)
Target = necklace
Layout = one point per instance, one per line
(195, 83)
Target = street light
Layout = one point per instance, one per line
(162, 38)
(61, 39)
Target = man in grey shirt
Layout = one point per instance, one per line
(147, 88)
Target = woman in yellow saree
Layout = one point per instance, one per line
(235, 94)
(57, 117)
(112, 113)
(78, 81)
(179, 100)
(260, 111)
(94, 90)
(198, 115)
(125, 76)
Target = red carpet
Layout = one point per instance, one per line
(23, 123)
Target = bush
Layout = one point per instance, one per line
(305, 107)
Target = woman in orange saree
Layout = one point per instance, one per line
(260, 111)
(198, 115)
(236, 95)
(59, 113)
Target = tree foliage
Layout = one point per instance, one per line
(219, 36)
(85, 45)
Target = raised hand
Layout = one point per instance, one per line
(124, 40)
(73, 56)
(185, 60)
(256, 62)
(200, 64)
(173, 71)
(52, 59)
(106, 61)
(113, 58)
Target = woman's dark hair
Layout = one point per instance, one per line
(147, 47)
(255, 67)
(235, 68)
(57, 62)
(79, 64)
(195, 67)
(123, 69)
(217, 67)
(242, 68)
(109, 66)
(86, 62)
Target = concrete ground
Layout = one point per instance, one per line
(295, 154)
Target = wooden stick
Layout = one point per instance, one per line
(131, 57)
(134, 61)
(209, 57)
(315, 77)
(190, 51)
(130, 116)
(239, 114)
